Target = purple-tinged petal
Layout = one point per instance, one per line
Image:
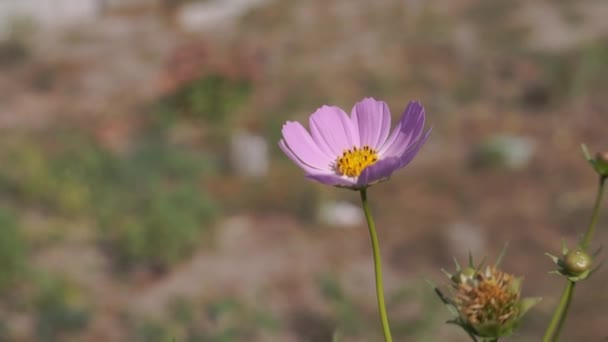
(307, 168)
(332, 130)
(407, 157)
(381, 170)
(332, 179)
(406, 132)
(373, 119)
(303, 146)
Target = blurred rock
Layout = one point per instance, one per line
(46, 13)
(201, 15)
(464, 237)
(249, 155)
(340, 214)
(513, 152)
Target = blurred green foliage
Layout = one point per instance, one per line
(12, 250)
(61, 308)
(578, 73)
(353, 321)
(152, 209)
(61, 181)
(221, 320)
(149, 205)
(210, 98)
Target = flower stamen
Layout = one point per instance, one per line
(354, 160)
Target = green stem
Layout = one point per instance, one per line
(559, 316)
(377, 266)
(596, 213)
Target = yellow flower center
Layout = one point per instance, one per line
(354, 160)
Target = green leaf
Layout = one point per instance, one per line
(564, 247)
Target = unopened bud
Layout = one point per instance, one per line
(576, 262)
(602, 157)
(600, 163)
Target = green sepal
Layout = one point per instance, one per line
(553, 257)
(600, 165)
(502, 254)
(596, 268)
(587, 155)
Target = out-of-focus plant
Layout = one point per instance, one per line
(220, 320)
(12, 250)
(212, 98)
(576, 265)
(60, 308)
(153, 210)
(61, 180)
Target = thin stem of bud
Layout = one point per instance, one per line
(377, 267)
(596, 212)
(559, 316)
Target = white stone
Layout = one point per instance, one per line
(340, 214)
(510, 151)
(46, 13)
(517, 151)
(196, 16)
(249, 155)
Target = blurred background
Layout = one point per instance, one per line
(143, 196)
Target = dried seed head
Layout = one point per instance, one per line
(490, 300)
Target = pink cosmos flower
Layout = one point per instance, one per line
(357, 151)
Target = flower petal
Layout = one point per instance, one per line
(407, 157)
(381, 170)
(373, 119)
(332, 179)
(406, 132)
(332, 130)
(303, 146)
(307, 168)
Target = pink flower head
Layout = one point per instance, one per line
(357, 151)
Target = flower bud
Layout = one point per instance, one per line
(601, 163)
(576, 262)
